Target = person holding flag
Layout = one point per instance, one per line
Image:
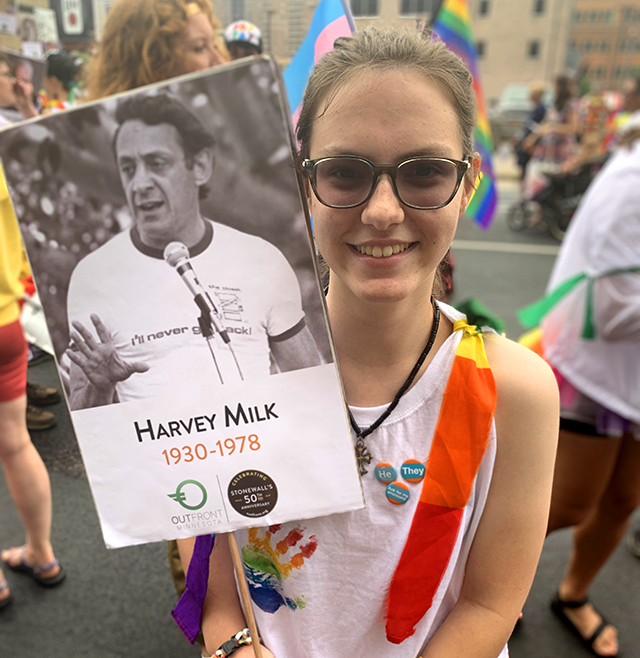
(454, 430)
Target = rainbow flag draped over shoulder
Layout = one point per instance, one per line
(331, 19)
(453, 25)
(459, 443)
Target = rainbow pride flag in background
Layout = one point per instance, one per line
(331, 19)
(453, 25)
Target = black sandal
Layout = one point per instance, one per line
(558, 606)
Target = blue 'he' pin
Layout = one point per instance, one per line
(385, 472)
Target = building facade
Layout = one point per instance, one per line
(520, 41)
(283, 23)
(605, 37)
(401, 14)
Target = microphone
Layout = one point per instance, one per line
(177, 256)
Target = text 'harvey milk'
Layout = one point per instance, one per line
(242, 415)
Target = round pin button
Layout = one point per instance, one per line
(385, 472)
(412, 470)
(398, 493)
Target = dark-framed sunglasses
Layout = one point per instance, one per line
(348, 181)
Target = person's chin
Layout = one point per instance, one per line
(383, 291)
(157, 226)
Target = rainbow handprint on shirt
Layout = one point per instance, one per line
(265, 568)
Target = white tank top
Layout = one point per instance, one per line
(319, 586)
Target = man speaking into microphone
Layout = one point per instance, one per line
(135, 329)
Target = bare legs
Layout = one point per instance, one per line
(28, 483)
(596, 488)
(4, 592)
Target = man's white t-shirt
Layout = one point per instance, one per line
(151, 315)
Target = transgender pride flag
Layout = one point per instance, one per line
(331, 19)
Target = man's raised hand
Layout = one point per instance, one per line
(100, 361)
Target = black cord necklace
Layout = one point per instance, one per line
(362, 454)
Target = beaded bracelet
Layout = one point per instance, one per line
(239, 639)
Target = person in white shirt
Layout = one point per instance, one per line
(387, 151)
(592, 340)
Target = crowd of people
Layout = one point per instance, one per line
(573, 131)
(590, 338)
(448, 572)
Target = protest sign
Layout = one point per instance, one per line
(8, 23)
(46, 25)
(26, 68)
(173, 257)
(27, 29)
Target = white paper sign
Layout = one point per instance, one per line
(8, 23)
(32, 49)
(100, 10)
(214, 464)
(46, 25)
(175, 266)
(72, 14)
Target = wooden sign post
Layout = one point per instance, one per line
(244, 594)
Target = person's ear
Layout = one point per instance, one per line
(469, 189)
(308, 191)
(311, 197)
(203, 166)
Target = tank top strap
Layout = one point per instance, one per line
(471, 345)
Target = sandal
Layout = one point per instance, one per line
(36, 571)
(558, 606)
(7, 600)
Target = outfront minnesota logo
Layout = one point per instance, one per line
(188, 493)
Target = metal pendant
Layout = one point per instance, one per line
(362, 456)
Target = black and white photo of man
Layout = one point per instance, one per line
(133, 323)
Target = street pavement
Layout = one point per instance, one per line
(116, 603)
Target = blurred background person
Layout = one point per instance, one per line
(8, 110)
(149, 41)
(243, 39)
(593, 127)
(553, 143)
(597, 476)
(531, 124)
(25, 473)
(23, 71)
(16, 91)
(60, 83)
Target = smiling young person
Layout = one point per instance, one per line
(149, 41)
(441, 560)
